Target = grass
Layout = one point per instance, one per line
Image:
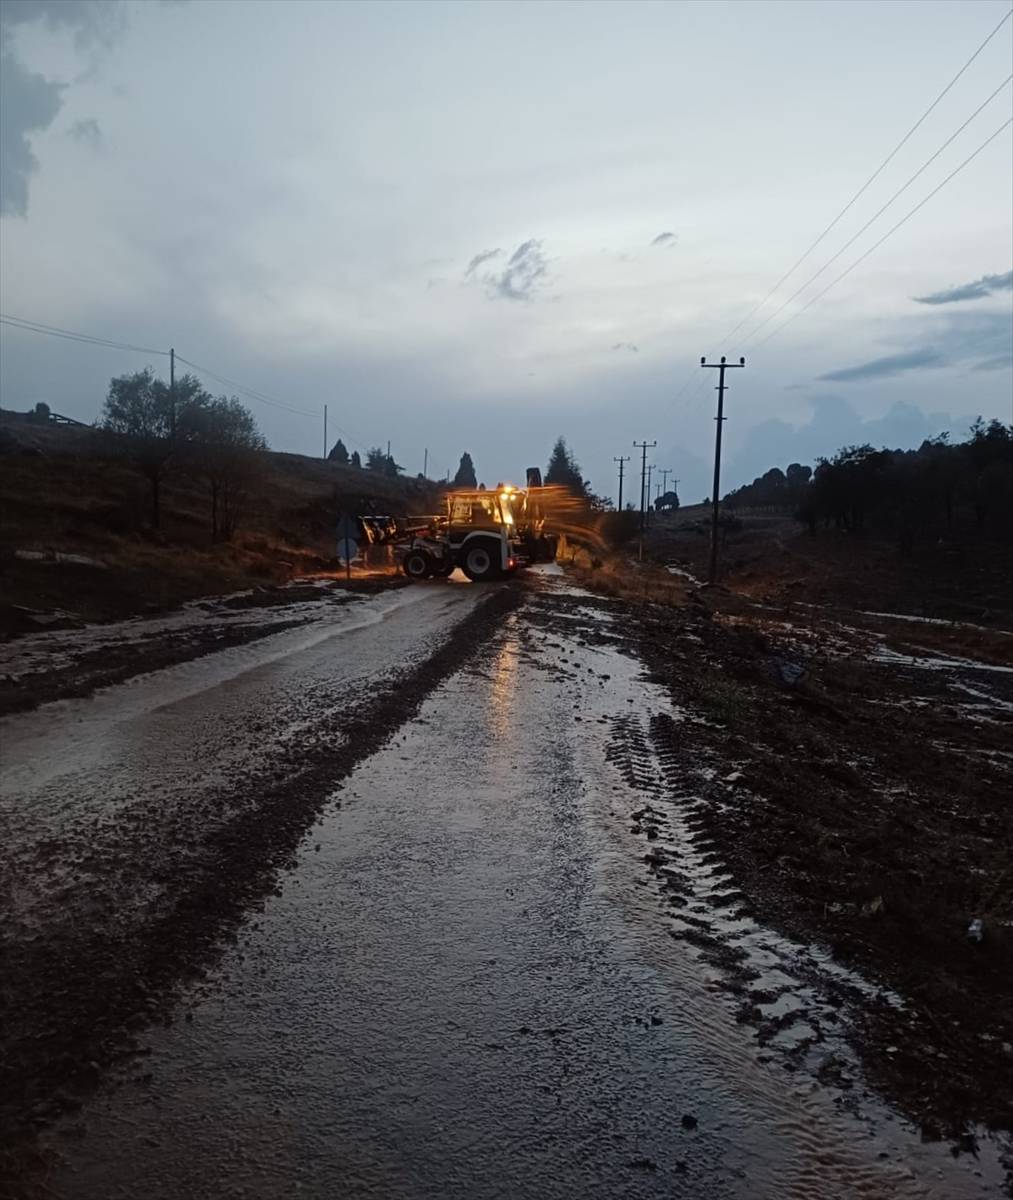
(75, 492)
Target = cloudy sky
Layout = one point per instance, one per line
(474, 226)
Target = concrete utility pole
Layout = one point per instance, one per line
(172, 392)
(325, 432)
(620, 460)
(647, 509)
(665, 472)
(644, 446)
(722, 366)
(425, 462)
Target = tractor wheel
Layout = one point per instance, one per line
(479, 564)
(442, 567)
(417, 564)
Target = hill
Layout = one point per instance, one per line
(75, 533)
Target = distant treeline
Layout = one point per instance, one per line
(904, 490)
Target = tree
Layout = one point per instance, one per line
(466, 477)
(223, 446)
(379, 460)
(564, 471)
(355, 460)
(668, 502)
(338, 454)
(139, 407)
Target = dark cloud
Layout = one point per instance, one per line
(980, 288)
(521, 277)
(87, 131)
(91, 20)
(626, 346)
(28, 104)
(664, 239)
(883, 368)
(479, 259)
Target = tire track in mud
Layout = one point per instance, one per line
(71, 999)
(794, 997)
(775, 1023)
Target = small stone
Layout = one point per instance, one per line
(689, 1121)
(643, 1164)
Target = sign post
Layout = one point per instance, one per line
(348, 548)
(348, 545)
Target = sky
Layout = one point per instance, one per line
(478, 226)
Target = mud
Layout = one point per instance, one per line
(863, 800)
(76, 660)
(470, 983)
(114, 895)
(600, 898)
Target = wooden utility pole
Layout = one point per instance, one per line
(647, 510)
(623, 458)
(172, 392)
(644, 446)
(425, 462)
(721, 366)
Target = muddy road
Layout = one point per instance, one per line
(415, 900)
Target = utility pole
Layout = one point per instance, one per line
(644, 446)
(325, 432)
(722, 366)
(388, 448)
(623, 458)
(647, 507)
(172, 391)
(665, 472)
(425, 462)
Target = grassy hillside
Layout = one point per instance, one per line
(72, 490)
(960, 572)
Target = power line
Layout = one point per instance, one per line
(246, 391)
(875, 246)
(88, 339)
(265, 399)
(861, 191)
(872, 178)
(73, 336)
(903, 188)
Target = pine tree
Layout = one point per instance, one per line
(466, 477)
(563, 470)
(355, 460)
(338, 454)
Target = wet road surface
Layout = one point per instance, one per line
(468, 984)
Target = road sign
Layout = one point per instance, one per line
(348, 548)
(347, 528)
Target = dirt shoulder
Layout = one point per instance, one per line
(958, 574)
(867, 807)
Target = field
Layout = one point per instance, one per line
(66, 491)
(861, 710)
